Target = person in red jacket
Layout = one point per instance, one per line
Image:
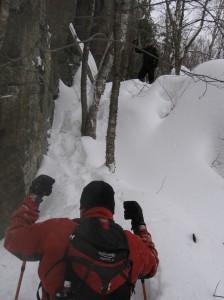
(50, 241)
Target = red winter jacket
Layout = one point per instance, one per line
(47, 242)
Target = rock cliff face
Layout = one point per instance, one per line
(29, 73)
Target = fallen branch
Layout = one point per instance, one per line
(214, 294)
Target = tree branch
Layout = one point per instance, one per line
(202, 77)
(199, 29)
(214, 294)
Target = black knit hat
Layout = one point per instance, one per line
(97, 194)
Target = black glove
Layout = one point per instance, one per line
(42, 186)
(133, 211)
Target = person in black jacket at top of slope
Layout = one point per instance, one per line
(149, 61)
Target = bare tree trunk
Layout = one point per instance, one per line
(198, 30)
(120, 34)
(84, 87)
(216, 30)
(127, 48)
(177, 21)
(100, 81)
(176, 34)
(103, 72)
(85, 57)
(80, 51)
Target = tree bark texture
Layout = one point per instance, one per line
(104, 69)
(99, 86)
(85, 56)
(120, 34)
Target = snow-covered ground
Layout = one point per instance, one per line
(169, 157)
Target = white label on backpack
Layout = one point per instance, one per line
(72, 236)
(107, 256)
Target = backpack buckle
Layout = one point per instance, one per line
(106, 287)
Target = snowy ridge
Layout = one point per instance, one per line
(169, 157)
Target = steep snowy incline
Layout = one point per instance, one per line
(171, 146)
(169, 157)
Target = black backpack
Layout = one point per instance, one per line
(97, 260)
(97, 264)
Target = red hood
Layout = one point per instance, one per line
(99, 212)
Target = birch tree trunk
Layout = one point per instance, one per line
(176, 22)
(104, 69)
(103, 72)
(121, 14)
(84, 73)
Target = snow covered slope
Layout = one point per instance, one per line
(169, 157)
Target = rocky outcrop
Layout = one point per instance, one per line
(29, 74)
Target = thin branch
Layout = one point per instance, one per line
(90, 39)
(14, 60)
(214, 294)
(5, 96)
(203, 77)
(203, 94)
(211, 15)
(216, 162)
(162, 185)
(199, 29)
(191, 23)
(67, 46)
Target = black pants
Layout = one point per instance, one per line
(144, 71)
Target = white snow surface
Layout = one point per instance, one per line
(169, 158)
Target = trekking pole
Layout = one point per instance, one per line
(143, 288)
(20, 280)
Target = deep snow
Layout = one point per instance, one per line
(169, 157)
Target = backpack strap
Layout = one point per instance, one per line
(38, 294)
(107, 276)
(55, 264)
(64, 258)
(99, 269)
(38, 289)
